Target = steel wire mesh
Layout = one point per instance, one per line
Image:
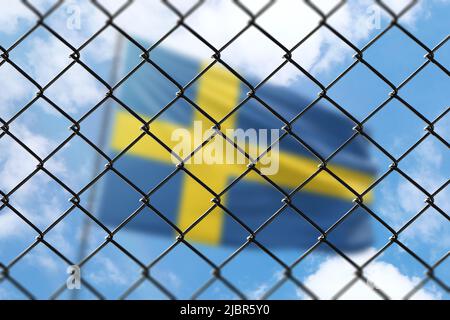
(110, 89)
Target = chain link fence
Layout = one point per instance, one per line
(111, 86)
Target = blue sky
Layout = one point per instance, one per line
(396, 128)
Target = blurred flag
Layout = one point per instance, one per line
(250, 200)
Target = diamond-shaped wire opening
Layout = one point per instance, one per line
(163, 269)
(75, 153)
(401, 138)
(296, 16)
(322, 122)
(253, 55)
(32, 56)
(65, 235)
(396, 65)
(76, 91)
(28, 126)
(46, 194)
(289, 221)
(301, 89)
(318, 52)
(217, 13)
(359, 97)
(318, 273)
(111, 271)
(240, 271)
(422, 162)
(150, 15)
(107, 64)
(427, 92)
(108, 211)
(397, 209)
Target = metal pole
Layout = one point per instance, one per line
(102, 140)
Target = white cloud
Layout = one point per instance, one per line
(333, 274)
(77, 90)
(287, 21)
(12, 15)
(254, 53)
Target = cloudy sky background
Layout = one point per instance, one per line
(42, 128)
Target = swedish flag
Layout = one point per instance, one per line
(223, 202)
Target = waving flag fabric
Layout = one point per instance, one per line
(249, 200)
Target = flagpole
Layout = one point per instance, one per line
(101, 143)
